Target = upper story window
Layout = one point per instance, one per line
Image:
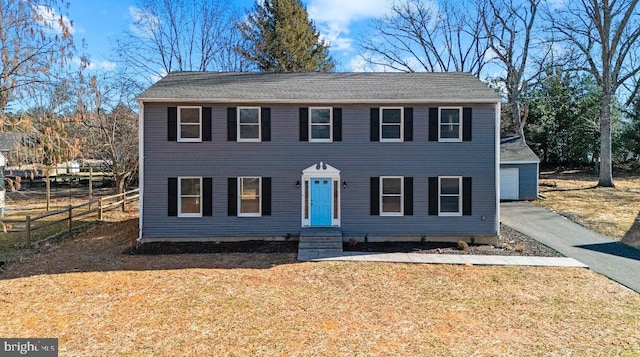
(450, 124)
(190, 196)
(391, 124)
(320, 124)
(189, 124)
(450, 196)
(391, 196)
(249, 124)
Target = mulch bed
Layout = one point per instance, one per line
(510, 242)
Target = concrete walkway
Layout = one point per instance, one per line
(611, 258)
(458, 259)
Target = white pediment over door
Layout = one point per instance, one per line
(321, 170)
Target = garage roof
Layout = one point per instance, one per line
(515, 150)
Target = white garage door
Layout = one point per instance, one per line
(509, 184)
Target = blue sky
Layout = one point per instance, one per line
(98, 22)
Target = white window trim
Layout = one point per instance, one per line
(240, 214)
(394, 214)
(450, 214)
(311, 139)
(180, 214)
(189, 140)
(238, 125)
(450, 140)
(393, 140)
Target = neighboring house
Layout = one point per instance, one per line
(519, 168)
(381, 156)
(17, 147)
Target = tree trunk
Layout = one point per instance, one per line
(517, 120)
(606, 175)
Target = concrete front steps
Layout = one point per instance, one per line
(319, 243)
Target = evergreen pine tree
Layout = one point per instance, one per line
(279, 37)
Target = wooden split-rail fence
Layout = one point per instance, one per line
(96, 206)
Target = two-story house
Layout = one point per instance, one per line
(387, 156)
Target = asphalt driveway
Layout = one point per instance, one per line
(602, 254)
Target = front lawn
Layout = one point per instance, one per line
(100, 302)
(614, 212)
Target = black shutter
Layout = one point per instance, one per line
(172, 124)
(172, 204)
(266, 196)
(466, 124)
(408, 196)
(337, 124)
(408, 124)
(206, 124)
(375, 124)
(207, 201)
(433, 196)
(433, 124)
(265, 116)
(466, 196)
(304, 124)
(232, 196)
(232, 124)
(375, 196)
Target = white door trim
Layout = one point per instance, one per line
(320, 170)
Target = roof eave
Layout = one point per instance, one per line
(516, 162)
(319, 101)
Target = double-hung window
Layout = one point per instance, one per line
(190, 196)
(450, 124)
(189, 124)
(320, 124)
(391, 196)
(249, 197)
(450, 196)
(248, 124)
(391, 124)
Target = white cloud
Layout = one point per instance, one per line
(104, 65)
(144, 23)
(556, 4)
(334, 17)
(49, 18)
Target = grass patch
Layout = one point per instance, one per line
(610, 211)
(101, 302)
(326, 309)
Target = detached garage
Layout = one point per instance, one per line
(519, 167)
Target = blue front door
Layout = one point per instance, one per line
(321, 198)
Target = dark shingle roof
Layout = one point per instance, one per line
(320, 87)
(513, 149)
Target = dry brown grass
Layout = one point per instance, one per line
(610, 211)
(99, 302)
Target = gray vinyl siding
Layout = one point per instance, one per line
(527, 180)
(284, 157)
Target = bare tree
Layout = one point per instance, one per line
(179, 35)
(427, 36)
(110, 124)
(34, 36)
(510, 27)
(604, 35)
